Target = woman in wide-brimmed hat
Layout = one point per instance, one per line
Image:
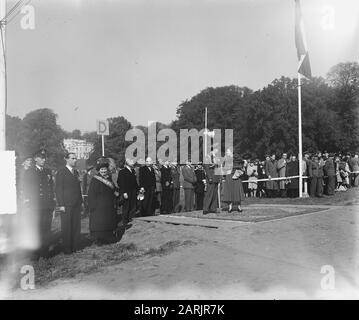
(101, 201)
(233, 190)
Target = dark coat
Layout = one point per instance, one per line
(292, 169)
(126, 181)
(38, 188)
(68, 189)
(200, 175)
(175, 171)
(101, 201)
(329, 168)
(211, 177)
(147, 178)
(315, 170)
(189, 177)
(166, 176)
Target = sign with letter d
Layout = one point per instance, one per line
(102, 127)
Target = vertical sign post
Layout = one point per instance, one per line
(103, 130)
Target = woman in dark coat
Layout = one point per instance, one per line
(233, 193)
(292, 169)
(101, 201)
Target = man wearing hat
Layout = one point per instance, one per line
(43, 199)
(329, 171)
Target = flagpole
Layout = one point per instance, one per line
(2, 78)
(205, 133)
(300, 136)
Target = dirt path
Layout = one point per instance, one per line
(272, 259)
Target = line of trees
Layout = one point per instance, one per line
(263, 121)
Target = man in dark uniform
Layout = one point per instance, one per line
(41, 199)
(147, 181)
(128, 188)
(167, 189)
(69, 200)
(199, 188)
(316, 177)
(210, 202)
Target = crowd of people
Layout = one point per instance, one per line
(113, 195)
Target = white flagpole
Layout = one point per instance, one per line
(205, 133)
(2, 78)
(300, 136)
(103, 145)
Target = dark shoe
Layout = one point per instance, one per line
(205, 212)
(240, 210)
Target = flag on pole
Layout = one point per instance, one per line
(302, 51)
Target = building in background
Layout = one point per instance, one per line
(81, 148)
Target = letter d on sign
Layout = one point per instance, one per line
(103, 127)
(328, 281)
(28, 280)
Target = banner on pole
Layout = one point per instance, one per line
(8, 182)
(102, 127)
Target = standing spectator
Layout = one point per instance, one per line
(69, 198)
(102, 206)
(147, 181)
(344, 172)
(281, 167)
(128, 188)
(316, 176)
(252, 173)
(271, 172)
(210, 202)
(292, 169)
(167, 189)
(157, 168)
(233, 193)
(261, 191)
(354, 166)
(113, 170)
(329, 171)
(200, 186)
(43, 200)
(175, 172)
(189, 181)
(305, 170)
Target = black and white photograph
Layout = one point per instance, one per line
(183, 150)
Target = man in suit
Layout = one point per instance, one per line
(200, 186)
(271, 172)
(210, 202)
(281, 167)
(316, 177)
(167, 189)
(40, 199)
(329, 171)
(147, 181)
(175, 172)
(128, 188)
(189, 181)
(69, 200)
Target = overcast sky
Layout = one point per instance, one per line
(91, 60)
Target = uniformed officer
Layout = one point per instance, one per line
(43, 201)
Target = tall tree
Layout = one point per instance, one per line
(40, 130)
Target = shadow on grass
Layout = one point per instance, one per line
(93, 258)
